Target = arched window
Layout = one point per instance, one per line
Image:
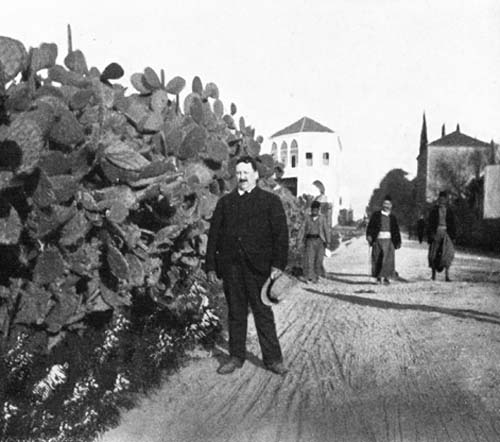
(274, 151)
(294, 153)
(284, 153)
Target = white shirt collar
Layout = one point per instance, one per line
(241, 192)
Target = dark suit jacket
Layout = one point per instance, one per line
(433, 223)
(374, 225)
(256, 226)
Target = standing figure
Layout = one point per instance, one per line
(441, 232)
(247, 243)
(314, 234)
(384, 237)
(421, 228)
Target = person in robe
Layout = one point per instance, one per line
(384, 237)
(441, 234)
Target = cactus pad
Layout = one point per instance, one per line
(49, 266)
(151, 79)
(81, 98)
(65, 187)
(139, 83)
(211, 90)
(28, 136)
(75, 229)
(136, 270)
(217, 151)
(175, 85)
(125, 157)
(43, 57)
(117, 213)
(112, 71)
(13, 57)
(153, 122)
(75, 62)
(117, 263)
(193, 143)
(218, 108)
(197, 86)
(66, 130)
(195, 108)
(159, 100)
(10, 227)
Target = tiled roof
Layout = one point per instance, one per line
(305, 124)
(459, 139)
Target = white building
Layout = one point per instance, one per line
(310, 153)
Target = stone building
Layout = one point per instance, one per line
(312, 157)
(449, 163)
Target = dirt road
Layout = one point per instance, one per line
(414, 361)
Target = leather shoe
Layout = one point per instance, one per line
(232, 364)
(278, 368)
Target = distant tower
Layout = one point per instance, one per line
(421, 181)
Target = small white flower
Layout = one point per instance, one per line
(121, 383)
(48, 384)
(205, 301)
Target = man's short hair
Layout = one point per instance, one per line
(248, 160)
(315, 205)
(388, 198)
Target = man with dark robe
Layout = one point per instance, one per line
(441, 232)
(384, 237)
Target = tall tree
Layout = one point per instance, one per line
(421, 178)
(423, 136)
(396, 184)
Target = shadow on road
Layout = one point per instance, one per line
(331, 277)
(348, 274)
(339, 277)
(379, 303)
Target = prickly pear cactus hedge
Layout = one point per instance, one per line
(105, 200)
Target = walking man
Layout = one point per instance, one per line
(441, 233)
(421, 228)
(247, 243)
(384, 237)
(314, 234)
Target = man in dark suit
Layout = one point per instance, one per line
(247, 243)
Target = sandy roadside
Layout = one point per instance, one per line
(413, 361)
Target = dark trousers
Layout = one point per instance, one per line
(242, 287)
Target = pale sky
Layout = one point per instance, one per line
(367, 69)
